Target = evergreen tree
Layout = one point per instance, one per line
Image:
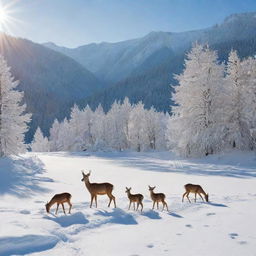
(13, 120)
(197, 124)
(40, 143)
(237, 115)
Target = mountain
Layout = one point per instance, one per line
(114, 62)
(51, 81)
(143, 68)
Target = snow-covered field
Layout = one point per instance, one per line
(225, 226)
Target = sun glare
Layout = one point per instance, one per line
(3, 16)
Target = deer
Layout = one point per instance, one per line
(157, 197)
(134, 198)
(98, 189)
(59, 199)
(196, 189)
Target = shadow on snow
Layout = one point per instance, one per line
(26, 244)
(236, 164)
(21, 176)
(68, 220)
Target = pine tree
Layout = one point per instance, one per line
(196, 123)
(13, 120)
(137, 128)
(237, 103)
(40, 143)
(54, 136)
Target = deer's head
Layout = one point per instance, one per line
(85, 176)
(127, 190)
(151, 188)
(47, 206)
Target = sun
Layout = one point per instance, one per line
(3, 16)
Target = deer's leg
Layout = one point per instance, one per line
(70, 206)
(188, 197)
(57, 209)
(130, 205)
(201, 196)
(166, 207)
(183, 196)
(137, 206)
(114, 199)
(157, 203)
(195, 197)
(153, 205)
(110, 199)
(95, 198)
(163, 202)
(134, 206)
(91, 201)
(141, 206)
(63, 208)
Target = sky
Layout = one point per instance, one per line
(72, 23)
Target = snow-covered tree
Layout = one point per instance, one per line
(137, 128)
(196, 125)
(99, 129)
(125, 111)
(54, 136)
(76, 129)
(155, 127)
(116, 126)
(238, 102)
(40, 143)
(13, 120)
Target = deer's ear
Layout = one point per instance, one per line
(89, 173)
(154, 187)
(82, 172)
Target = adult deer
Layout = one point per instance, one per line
(134, 198)
(157, 197)
(59, 199)
(98, 189)
(196, 189)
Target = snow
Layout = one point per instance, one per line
(224, 226)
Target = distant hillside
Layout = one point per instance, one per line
(154, 86)
(114, 62)
(143, 68)
(51, 81)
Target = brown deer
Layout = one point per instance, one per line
(98, 189)
(134, 198)
(157, 197)
(196, 189)
(59, 199)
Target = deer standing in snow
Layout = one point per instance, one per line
(98, 189)
(134, 198)
(157, 197)
(59, 199)
(196, 189)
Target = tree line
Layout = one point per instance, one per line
(215, 110)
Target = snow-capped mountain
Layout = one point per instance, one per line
(114, 62)
(51, 81)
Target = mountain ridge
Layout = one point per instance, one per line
(51, 81)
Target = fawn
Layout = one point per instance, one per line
(59, 199)
(157, 197)
(134, 198)
(196, 189)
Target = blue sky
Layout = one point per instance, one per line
(76, 22)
